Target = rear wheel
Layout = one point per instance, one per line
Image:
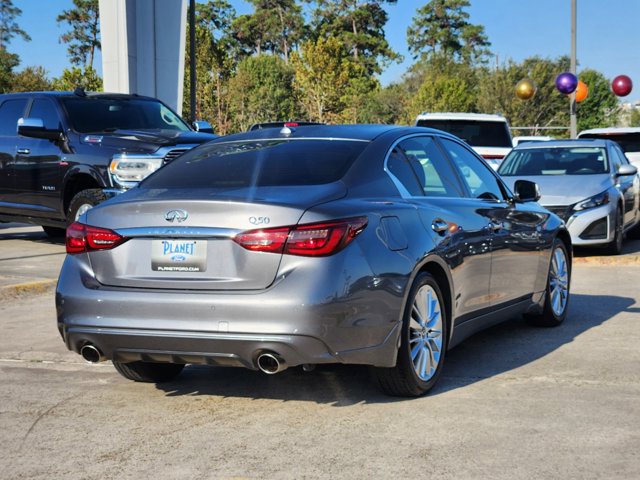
(423, 343)
(149, 372)
(83, 201)
(557, 291)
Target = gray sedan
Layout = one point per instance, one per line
(375, 245)
(590, 184)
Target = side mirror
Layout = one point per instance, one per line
(526, 191)
(626, 170)
(34, 128)
(202, 126)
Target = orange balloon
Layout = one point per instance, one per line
(582, 92)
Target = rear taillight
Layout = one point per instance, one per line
(85, 238)
(311, 240)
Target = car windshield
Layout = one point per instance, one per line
(475, 133)
(259, 163)
(555, 161)
(100, 115)
(630, 142)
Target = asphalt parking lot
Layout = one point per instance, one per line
(513, 402)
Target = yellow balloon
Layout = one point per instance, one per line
(525, 89)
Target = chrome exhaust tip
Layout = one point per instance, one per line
(91, 354)
(271, 363)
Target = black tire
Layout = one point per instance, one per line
(552, 315)
(615, 247)
(149, 372)
(83, 199)
(403, 380)
(54, 233)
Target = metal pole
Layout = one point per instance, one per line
(192, 58)
(572, 97)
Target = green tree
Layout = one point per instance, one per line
(600, 107)
(84, 37)
(441, 27)
(215, 49)
(275, 26)
(359, 25)
(634, 118)
(323, 73)
(31, 79)
(8, 25)
(74, 77)
(8, 61)
(261, 91)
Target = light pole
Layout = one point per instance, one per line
(573, 109)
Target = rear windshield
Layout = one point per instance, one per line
(555, 161)
(259, 163)
(103, 115)
(474, 132)
(630, 142)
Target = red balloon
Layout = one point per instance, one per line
(622, 85)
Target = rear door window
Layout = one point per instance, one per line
(259, 163)
(475, 133)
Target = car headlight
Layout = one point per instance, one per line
(128, 169)
(595, 201)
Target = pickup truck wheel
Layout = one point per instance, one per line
(83, 201)
(149, 372)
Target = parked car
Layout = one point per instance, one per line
(62, 153)
(375, 245)
(489, 135)
(588, 183)
(627, 137)
(530, 138)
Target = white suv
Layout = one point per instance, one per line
(489, 135)
(627, 137)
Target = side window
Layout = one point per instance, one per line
(46, 111)
(619, 158)
(10, 112)
(480, 181)
(398, 166)
(431, 168)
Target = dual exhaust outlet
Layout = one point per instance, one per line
(267, 362)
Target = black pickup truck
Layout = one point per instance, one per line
(61, 153)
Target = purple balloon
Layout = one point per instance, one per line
(566, 83)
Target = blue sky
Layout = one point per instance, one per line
(608, 33)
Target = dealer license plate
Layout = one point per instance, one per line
(179, 255)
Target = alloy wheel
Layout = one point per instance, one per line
(559, 282)
(425, 332)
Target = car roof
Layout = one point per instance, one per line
(484, 117)
(74, 95)
(580, 142)
(609, 131)
(364, 132)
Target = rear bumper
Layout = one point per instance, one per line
(305, 321)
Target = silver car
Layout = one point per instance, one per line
(375, 245)
(590, 184)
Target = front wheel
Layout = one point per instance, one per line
(423, 343)
(556, 300)
(148, 372)
(615, 247)
(83, 201)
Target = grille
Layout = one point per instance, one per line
(173, 154)
(564, 211)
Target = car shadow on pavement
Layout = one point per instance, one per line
(495, 351)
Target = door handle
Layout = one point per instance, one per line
(23, 151)
(439, 225)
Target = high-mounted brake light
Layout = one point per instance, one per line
(86, 238)
(310, 240)
(492, 157)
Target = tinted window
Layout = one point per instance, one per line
(259, 163)
(46, 111)
(10, 112)
(629, 142)
(95, 115)
(555, 161)
(479, 179)
(475, 133)
(432, 169)
(398, 166)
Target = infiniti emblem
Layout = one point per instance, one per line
(176, 216)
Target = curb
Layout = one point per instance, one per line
(27, 288)
(633, 260)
